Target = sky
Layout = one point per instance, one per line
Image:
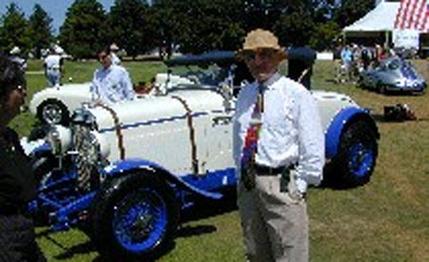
(56, 9)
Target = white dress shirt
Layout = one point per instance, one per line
(291, 130)
(112, 85)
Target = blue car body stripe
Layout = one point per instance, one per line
(213, 179)
(199, 188)
(154, 121)
(333, 133)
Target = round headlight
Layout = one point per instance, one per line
(60, 138)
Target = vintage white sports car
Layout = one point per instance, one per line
(54, 105)
(129, 169)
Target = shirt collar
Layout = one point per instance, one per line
(270, 81)
(107, 69)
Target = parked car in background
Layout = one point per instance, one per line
(393, 75)
(54, 105)
(126, 172)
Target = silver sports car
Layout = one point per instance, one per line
(393, 75)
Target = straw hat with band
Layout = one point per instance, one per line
(261, 39)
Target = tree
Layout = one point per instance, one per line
(295, 26)
(165, 18)
(40, 29)
(13, 31)
(201, 25)
(324, 34)
(130, 27)
(351, 10)
(84, 31)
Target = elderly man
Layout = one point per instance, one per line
(279, 151)
(111, 83)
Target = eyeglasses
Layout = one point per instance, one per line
(249, 56)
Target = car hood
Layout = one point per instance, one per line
(78, 92)
(156, 109)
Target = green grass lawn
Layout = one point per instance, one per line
(385, 220)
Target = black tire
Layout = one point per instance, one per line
(53, 111)
(358, 154)
(134, 217)
(381, 88)
(42, 165)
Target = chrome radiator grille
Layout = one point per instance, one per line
(87, 156)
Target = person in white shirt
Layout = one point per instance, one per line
(278, 150)
(53, 65)
(111, 83)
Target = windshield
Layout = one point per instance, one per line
(394, 64)
(211, 76)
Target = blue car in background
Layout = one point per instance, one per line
(393, 75)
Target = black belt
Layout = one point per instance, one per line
(262, 170)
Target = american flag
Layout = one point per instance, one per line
(413, 14)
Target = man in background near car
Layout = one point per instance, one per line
(53, 65)
(111, 83)
(278, 146)
(15, 56)
(115, 59)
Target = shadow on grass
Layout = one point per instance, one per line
(81, 248)
(188, 231)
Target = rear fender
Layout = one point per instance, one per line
(125, 166)
(339, 123)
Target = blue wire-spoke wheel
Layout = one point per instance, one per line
(134, 217)
(140, 220)
(362, 159)
(357, 156)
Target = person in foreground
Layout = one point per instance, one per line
(17, 183)
(111, 83)
(279, 152)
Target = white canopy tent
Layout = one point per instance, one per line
(378, 21)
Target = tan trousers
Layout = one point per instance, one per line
(275, 226)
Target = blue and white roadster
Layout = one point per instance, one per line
(126, 172)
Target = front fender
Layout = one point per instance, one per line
(339, 123)
(125, 166)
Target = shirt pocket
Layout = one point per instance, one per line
(279, 117)
(113, 83)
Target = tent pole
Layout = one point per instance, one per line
(386, 39)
